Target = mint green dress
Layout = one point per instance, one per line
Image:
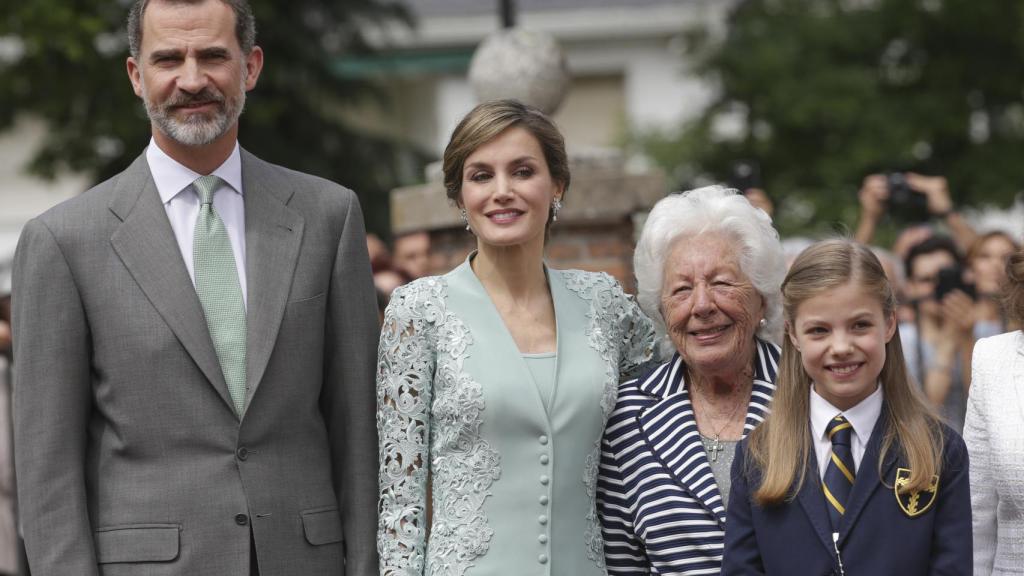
(507, 460)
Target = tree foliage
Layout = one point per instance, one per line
(64, 62)
(826, 91)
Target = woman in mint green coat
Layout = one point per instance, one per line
(495, 380)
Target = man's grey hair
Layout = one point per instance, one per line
(245, 23)
(712, 209)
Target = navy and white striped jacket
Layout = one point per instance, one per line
(661, 511)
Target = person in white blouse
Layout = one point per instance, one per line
(994, 432)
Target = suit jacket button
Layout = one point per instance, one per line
(242, 453)
(241, 519)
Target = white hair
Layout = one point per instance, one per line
(711, 209)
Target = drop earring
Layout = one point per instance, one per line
(556, 205)
(465, 217)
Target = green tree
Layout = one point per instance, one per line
(64, 62)
(827, 91)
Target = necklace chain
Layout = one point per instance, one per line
(714, 447)
(728, 418)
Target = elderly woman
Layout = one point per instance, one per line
(994, 433)
(495, 380)
(709, 268)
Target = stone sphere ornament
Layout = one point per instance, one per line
(523, 64)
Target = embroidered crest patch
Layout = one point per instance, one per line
(914, 503)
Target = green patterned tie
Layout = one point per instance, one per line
(219, 290)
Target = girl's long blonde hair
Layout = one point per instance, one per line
(780, 447)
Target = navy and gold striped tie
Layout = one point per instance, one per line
(840, 471)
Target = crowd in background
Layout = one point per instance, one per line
(947, 275)
(406, 260)
(949, 278)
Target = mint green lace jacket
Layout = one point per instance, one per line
(478, 474)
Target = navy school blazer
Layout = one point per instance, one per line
(877, 536)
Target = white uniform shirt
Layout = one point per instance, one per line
(862, 417)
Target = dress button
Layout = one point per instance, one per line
(544, 479)
(542, 519)
(543, 440)
(543, 500)
(543, 538)
(543, 558)
(543, 458)
(242, 453)
(241, 519)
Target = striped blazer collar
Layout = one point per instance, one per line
(669, 378)
(670, 429)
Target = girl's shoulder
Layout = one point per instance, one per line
(954, 449)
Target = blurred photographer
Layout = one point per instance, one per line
(939, 341)
(986, 268)
(909, 198)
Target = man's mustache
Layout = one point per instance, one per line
(204, 96)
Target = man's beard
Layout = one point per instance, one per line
(197, 129)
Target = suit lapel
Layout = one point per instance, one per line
(146, 245)
(812, 500)
(866, 483)
(867, 479)
(670, 429)
(273, 235)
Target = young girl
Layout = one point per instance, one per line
(851, 473)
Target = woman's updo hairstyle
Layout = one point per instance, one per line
(489, 119)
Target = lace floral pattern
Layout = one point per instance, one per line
(624, 337)
(419, 378)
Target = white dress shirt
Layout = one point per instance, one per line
(862, 417)
(174, 183)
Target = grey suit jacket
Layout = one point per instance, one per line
(130, 457)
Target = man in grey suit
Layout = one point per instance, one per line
(195, 342)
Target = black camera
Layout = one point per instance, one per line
(905, 203)
(744, 175)
(952, 278)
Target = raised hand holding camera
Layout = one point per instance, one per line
(935, 189)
